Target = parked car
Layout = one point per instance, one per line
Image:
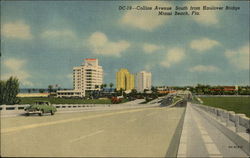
(40, 107)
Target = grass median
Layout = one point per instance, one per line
(236, 104)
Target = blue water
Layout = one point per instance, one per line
(33, 90)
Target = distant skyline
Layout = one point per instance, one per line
(41, 42)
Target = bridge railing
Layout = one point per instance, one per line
(58, 106)
(230, 118)
(20, 108)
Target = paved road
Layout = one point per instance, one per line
(200, 138)
(144, 132)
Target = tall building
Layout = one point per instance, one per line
(87, 77)
(124, 80)
(143, 81)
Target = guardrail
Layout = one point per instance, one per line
(228, 117)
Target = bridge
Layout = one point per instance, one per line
(157, 129)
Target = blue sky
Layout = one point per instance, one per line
(43, 41)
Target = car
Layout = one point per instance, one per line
(40, 107)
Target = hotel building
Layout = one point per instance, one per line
(124, 80)
(143, 81)
(87, 77)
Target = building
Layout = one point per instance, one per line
(70, 93)
(124, 80)
(87, 77)
(165, 89)
(143, 80)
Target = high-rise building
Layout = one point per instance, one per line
(143, 81)
(87, 77)
(124, 80)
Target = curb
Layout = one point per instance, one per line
(175, 141)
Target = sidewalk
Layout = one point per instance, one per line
(202, 139)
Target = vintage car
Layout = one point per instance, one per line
(40, 107)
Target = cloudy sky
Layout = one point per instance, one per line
(43, 41)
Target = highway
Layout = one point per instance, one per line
(137, 132)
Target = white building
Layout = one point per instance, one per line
(143, 80)
(87, 77)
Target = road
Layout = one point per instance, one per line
(139, 132)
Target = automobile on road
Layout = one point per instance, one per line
(40, 107)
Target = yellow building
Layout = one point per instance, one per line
(124, 80)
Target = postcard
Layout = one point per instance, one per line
(126, 78)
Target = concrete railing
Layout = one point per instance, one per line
(60, 106)
(12, 107)
(230, 118)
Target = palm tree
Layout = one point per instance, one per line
(50, 89)
(111, 85)
(104, 86)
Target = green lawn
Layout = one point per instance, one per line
(176, 99)
(236, 104)
(30, 100)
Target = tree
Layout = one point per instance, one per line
(104, 85)
(50, 88)
(96, 86)
(154, 89)
(133, 91)
(2, 89)
(133, 94)
(41, 90)
(9, 90)
(120, 92)
(111, 85)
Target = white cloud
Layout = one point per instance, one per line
(15, 67)
(203, 44)
(145, 20)
(150, 48)
(58, 34)
(173, 56)
(204, 68)
(14, 64)
(16, 30)
(100, 44)
(62, 38)
(240, 57)
(149, 66)
(206, 17)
